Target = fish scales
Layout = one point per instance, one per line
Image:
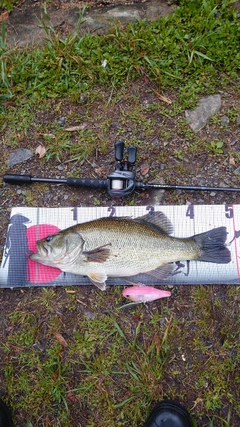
(134, 245)
(122, 247)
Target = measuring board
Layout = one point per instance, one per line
(30, 224)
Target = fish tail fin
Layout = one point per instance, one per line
(212, 246)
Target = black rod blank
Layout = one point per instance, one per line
(106, 184)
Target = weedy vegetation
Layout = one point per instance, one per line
(70, 360)
(85, 363)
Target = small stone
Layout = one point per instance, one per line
(225, 121)
(62, 121)
(115, 125)
(162, 321)
(83, 98)
(206, 107)
(89, 314)
(238, 120)
(233, 141)
(237, 171)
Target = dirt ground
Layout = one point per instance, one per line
(190, 167)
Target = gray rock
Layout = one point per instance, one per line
(19, 156)
(206, 107)
(22, 26)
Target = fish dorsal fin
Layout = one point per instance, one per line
(156, 221)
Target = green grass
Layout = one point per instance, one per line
(190, 49)
(91, 367)
(8, 5)
(194, 50)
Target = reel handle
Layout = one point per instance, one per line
(119, 148)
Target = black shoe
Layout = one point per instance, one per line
(5, 416)
(169, 414)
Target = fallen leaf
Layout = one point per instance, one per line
(41, 151)
(144, 170)
(47, 421)
(70, 395)
(60, 339)
(162, 98)
(232, 161)
(145, 195)
(74, 128)
(4, 16)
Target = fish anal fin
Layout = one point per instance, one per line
(98, 279)
(99, 254)
(162, 272)
(157, 221)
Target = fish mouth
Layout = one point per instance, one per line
(42, 250)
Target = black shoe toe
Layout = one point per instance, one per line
(5, 416)
(169, 414)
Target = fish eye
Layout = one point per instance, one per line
(49, 238)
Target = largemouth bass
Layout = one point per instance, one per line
(122, 247)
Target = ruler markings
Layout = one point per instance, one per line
(235, 241)
(187, 220)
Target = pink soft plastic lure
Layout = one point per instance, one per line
(144, 293)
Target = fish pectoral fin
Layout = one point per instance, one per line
(162, 272)
(99, 254)
(98, 279)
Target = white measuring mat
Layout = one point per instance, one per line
(30, 224)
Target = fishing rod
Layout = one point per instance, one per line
(120, 183)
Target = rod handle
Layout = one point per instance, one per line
(17, 179)
(88, 183)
